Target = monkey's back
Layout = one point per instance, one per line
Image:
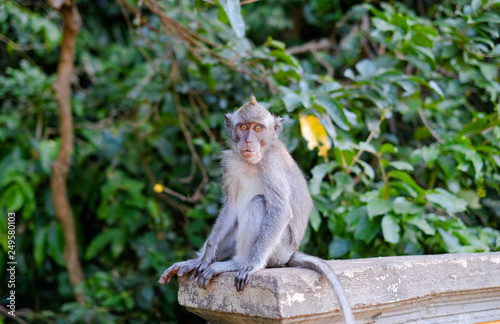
(301, 201)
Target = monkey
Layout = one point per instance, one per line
(265, 212)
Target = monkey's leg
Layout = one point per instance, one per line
(222, 232)
(226, 249)
(270, 223)
(215, 269)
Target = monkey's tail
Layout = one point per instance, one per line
(303, 260)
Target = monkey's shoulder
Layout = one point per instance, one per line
(279, 159)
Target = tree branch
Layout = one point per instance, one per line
(323, 44)
(60, 167)
(429, 128)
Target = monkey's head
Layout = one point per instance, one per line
(251, 128)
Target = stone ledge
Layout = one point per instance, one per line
(448, 288)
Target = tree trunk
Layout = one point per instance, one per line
(61, 165)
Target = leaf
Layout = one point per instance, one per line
(370, 173)
(118, 243)
(476, 5)
(48, 150)
(315, 134)
(487, 17)
(40, 237)
(354, 216)
(329, 87)
(275, 43)
(390, 229)
(430, 154)
(447, 201)
(12, 198)
(318, 173)
(387, 148)
(434, 86)
(489, 71)
(283, 57)
(470, 155)
(145, 295)
(291, 100)
(451, 242)
(232, 8)
(377, 207)
(343, 182)
(366, 69)
(366, 230)
(471, 197)
(52, 34)
(406, 178)
(422, 224)
(334, 111)
(29, 196)
(401, 165)
(315, 220)
(56, 246)
(481, 192)
(402, 206)
(428, 30)
(338, 248)
(366, 147)
(98, 243)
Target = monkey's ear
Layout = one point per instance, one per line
(229, 124)
(278, 126)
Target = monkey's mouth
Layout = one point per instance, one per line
(248, 154)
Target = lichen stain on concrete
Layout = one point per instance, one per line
(402, 266)
(393, 289)
(381, 277)
(351, 273)
(462, 262)
(295, 298)
(494, 260)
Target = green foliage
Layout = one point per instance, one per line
(409, 104)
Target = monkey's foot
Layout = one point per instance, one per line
(205, 277)
(203, 266)
(243, 276)
(215, 269)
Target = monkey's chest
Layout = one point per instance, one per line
(248, 186)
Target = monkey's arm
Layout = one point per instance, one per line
(207, 255)
(225, 223)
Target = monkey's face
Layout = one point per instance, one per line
(251, 130)
(251, 139)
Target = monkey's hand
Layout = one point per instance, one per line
(244, 274)
(179, 269)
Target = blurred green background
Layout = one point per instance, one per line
(391, 110)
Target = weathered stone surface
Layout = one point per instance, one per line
(449, 288)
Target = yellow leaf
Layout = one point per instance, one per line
(315, 134)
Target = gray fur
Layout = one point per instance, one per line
(266, 210)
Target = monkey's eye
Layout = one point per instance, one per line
(258, 128)
(243, 127)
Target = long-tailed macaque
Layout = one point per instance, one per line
(266, 209)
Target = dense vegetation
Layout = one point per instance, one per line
(390, 109)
